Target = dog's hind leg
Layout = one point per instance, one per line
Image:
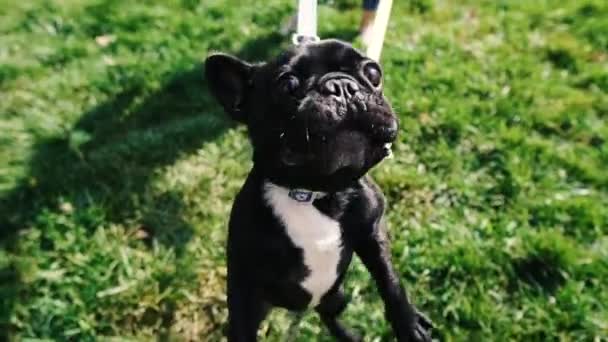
(331, 306)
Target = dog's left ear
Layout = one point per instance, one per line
(229, 78)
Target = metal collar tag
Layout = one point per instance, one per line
(303, 196)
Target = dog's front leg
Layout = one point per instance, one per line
(407, 323)
(246, 310)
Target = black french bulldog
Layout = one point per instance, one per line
(318, 122)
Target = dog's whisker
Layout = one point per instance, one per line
(307, 136)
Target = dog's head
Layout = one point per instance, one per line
(316, 114)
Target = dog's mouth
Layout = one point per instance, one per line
(305, 147)
(332, 165)
(388, 150)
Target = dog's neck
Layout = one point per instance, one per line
(296, 192)
(300, 195)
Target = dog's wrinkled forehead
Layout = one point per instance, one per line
(319, 58)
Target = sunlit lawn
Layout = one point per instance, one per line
(117, 169)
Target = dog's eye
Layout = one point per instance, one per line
(372, 72)
(289, 84)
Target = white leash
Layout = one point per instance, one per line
(379, 29)
(307, 22)
(307, 26)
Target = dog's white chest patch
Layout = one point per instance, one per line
(316, 234)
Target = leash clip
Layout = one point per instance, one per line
(298, 39)
(307, 23)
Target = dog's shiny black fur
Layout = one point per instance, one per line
(317, 120)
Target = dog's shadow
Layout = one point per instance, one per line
(110, 155)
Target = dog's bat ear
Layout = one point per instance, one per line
(228, 78)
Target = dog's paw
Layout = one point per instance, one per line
(353, 337)
(421, 330)
(424, 321)
(419, 334)
(348, 336)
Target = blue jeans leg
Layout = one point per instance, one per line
(370, 5)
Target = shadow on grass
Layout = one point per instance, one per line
(109, 158)
(110, 155)
(538, 272)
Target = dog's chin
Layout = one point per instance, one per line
(331, 175)
(340, 179)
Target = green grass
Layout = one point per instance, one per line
(117, 169)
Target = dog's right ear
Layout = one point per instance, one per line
(229, 79)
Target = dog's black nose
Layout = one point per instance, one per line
(340, 86)
(386, 133)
